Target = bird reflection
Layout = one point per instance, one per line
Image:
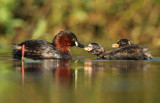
(119, 66)
(91, 66)
(102, 69)
(42, 65)
(60, 72)
(60, 69)
(130, 66)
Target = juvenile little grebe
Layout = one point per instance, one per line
(127, 51)
(122, 43)
(40, 49)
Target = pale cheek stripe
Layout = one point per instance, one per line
(76, 43)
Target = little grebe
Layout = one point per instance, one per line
(122, 43)
(40, 49)
(125, 51)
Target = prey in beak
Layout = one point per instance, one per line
(115, 45)
(90, 47)
(87, 48)
(95, 48)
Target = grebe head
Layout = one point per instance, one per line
(66, 39)
(94, 48)
(122, 43)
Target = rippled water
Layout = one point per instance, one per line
(79, 81)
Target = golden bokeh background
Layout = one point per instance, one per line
(103, 21)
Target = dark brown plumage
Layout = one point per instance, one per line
(125, 52)
(40, 49)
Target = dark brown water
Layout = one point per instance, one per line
(79, 81)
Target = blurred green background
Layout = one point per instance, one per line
(103, 21)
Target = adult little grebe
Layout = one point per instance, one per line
(40, 49)
(128, 51)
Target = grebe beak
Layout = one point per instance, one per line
(79, 44)
(115, 45)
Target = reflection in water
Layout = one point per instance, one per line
(43, 65)
(105, 69)
(62, 73)
(120, 66)
(90, 80)
(60, 69)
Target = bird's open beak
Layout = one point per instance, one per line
(79, 44)
(115, 45)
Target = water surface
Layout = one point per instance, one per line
(79, 81)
